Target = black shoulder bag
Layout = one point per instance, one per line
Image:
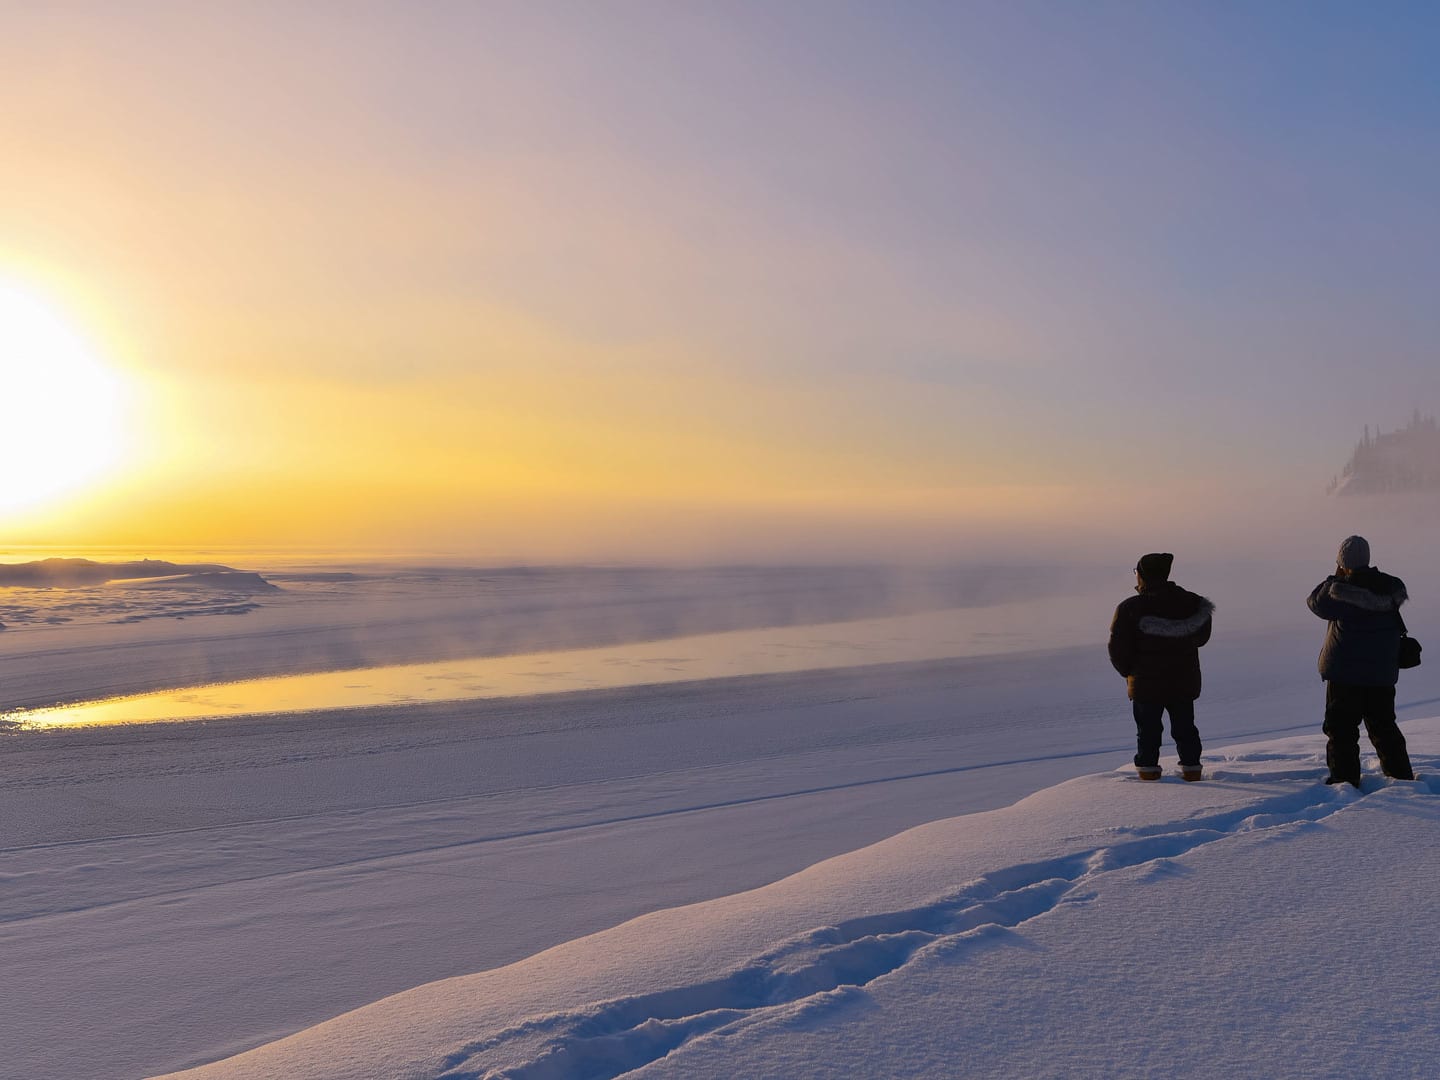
(1409, 648)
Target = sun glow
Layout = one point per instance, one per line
(61, 404)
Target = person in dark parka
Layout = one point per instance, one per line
(1155, 641)
(1359, 662)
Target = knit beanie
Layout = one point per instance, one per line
(1354, 553)
(1155, 567)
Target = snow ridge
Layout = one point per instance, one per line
(829, 967)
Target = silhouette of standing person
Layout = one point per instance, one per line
(1359, 662)
(1155, 641)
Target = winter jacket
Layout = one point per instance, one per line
(1363, 638)
(1155, 641)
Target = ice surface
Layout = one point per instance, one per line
(950, 633)
(173, 894)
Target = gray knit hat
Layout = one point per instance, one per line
(1354, 553)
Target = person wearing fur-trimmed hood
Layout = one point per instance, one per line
(1359, 662)
(1155, 641)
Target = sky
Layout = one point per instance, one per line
(713, 279)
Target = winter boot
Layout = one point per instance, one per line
(1149, 772)
(1192, 772)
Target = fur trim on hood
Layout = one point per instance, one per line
(1155, 626)
(1361, 597)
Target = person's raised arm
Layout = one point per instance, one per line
(1324, 604)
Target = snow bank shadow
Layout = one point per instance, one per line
(1427, 772)
(804, 980)
(1303, 773)
(1274, 765)
(1311, 766)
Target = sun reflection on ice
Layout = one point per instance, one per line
(937, 635)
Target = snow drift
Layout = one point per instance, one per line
(1260, 923)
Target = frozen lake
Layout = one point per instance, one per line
(1054, 622)
(256, 876)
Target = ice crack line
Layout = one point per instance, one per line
(828, 966)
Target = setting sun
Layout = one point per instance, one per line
(63, 404)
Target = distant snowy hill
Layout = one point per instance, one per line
(59, 592)
(1396, 461)
(69, 573)
(1257, 924)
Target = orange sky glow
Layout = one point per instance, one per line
(534, 281)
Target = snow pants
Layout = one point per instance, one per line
(1346, 707)
(1149, 728)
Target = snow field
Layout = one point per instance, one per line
(1101, 927)
(171, 895)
